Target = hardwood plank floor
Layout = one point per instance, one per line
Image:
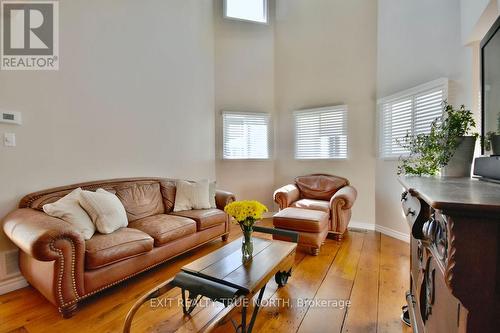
(367, 269)
(363, 317)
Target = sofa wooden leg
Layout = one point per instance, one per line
(335, 236)
(225, 237)
(315, 251)
(68, 312)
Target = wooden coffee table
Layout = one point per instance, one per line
(223, 269)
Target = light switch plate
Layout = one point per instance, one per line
(9, 140)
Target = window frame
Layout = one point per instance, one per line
(269, 136)
(342, 107)
(232, 18)
(411, 93)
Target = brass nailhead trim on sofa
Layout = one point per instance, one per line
(79, 298)
(61, 268)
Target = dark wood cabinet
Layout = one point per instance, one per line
(455, 254)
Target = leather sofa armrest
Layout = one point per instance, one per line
(223, 198)
(344, 198)
(286, 195)
(36, 233)
(46, 238)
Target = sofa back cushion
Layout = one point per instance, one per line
(38, 199)
(141, 199)
(319, 186)
(168, 191)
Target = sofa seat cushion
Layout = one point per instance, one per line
(105, 249)
(321, 205)
(205, 218)
(299, 219)
(165, 228)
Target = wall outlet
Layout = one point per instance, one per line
(9, 139)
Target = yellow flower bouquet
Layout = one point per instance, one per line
(246, 213)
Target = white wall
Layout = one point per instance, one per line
(244, 81)
(477, 16)
(134, 96)
(470, 14)
(418, 41)
(325, 53)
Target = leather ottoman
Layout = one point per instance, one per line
(311, 225)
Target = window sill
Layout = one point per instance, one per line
(390, 158)
(247, 159)
(323, 159)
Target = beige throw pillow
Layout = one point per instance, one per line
(68, 209)
(105, 210)
(191, 195)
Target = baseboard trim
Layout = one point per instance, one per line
(12, 284)
(361, 225)
(393, 233)
(384, 230)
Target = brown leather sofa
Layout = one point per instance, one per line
(330, 194)
(65, 268)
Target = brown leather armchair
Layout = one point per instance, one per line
(323, 192)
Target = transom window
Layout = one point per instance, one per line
(411, 111)
(246, 10)
(245, 135)
(321, 133)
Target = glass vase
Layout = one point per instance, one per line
(247, 245)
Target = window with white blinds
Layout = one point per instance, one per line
(411, 111)
(245, 135)
(246, 10)
(321, 133)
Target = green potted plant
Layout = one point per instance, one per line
(492, 140)
(448, 148)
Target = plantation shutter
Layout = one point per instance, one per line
(428, 107)
(245, 135)
(321, 133)
(411, 112)
(397, 121)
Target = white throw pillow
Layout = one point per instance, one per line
(68, 209)
(212, 191)
(105, 210)
(191, 195)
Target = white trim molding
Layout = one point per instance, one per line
(383, 230)
(12, 284)
(405, 237)
(361, 225)
(441, 82)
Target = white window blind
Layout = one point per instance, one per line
(245, 135)
(411, 111)
(321, 133)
